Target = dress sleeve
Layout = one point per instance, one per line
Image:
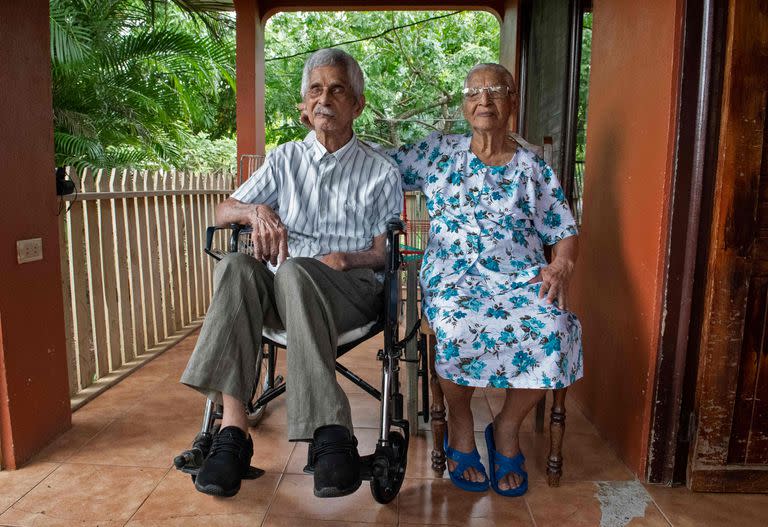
(263, 185)
(553, 219)
(416, 160)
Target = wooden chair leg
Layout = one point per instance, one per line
(541, 408)
(436, 412)
(556, 432)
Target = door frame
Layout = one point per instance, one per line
(695, 156)
(714, 190)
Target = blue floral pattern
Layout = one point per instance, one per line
(488, 229)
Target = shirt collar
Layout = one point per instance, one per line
(318, 150)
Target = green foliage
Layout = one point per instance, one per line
(586, 60)
(208, 155)
(414, 75)
(148, 84)
(135, 80)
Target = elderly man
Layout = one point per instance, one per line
(318, 209)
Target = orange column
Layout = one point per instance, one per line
(250, 79)
(34, 394)
(619, 277)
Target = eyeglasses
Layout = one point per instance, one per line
(494, 92)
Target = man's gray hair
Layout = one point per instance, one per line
(334, 57)
(496, 68)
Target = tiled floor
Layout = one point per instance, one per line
(113, 468)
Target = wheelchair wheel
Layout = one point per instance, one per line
(254, 414)
(389, 468)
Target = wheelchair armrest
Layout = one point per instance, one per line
(236, 229)
(392, 283)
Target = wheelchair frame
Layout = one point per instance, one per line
(385, 467)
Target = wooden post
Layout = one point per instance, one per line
(65, 249)
(437, 408)
(109, 252)
(86, 357)
(556, 433)
(124, 290)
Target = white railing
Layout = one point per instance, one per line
(135, 278)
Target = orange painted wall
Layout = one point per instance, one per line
(34, 395)
(619, 276)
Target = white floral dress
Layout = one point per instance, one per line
(488, 228)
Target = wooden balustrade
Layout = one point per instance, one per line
(135, 278)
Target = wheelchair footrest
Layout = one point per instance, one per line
(366, 467)
(254, 473)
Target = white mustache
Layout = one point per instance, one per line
(322, 110)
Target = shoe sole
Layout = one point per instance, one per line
(335, 492)
(215, 490)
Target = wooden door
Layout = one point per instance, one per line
(730, 445)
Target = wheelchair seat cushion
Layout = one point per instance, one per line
(279, 337)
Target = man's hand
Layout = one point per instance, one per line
(269, 235)
(337, 261)
(554, 281)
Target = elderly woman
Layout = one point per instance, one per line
(498, 309)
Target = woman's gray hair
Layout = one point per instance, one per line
(334, 57)
(497, 68)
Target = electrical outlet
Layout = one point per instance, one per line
(29, 250)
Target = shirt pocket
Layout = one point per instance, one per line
(358, 218)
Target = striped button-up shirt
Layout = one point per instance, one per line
(328, 201)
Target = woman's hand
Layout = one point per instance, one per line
(555, 279)
(556, 276)
(269, 235)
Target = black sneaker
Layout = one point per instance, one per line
(227, 463)
(336, 462)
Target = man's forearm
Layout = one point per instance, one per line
(369, 259)
(233, 211)
(372, 258)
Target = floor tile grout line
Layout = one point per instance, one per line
(323, 520)
(288, 459)
(102, 465)
(397, 505)
(54, 469)
(147, 496)
(530, 510)
(88, 441)
(653, 500)
(272, 498)
(111, 422)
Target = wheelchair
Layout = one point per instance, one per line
(385, 467)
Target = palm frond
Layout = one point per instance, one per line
(75, 150)
(70, 41)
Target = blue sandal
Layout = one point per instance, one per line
(464, 461)
(505, 466)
